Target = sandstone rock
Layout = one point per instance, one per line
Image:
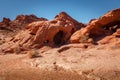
(65, 17)
(4, 25)
(99, 28)
(47, 33)
(106, 40)
(75, 37)
(9, 28)
(117, 33)
(28, 18)
(23, 20)
(5, 22)
(20, 21)
(54, 32)
(90, 40)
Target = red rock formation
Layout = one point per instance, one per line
(54, 32)
(20, 21)
(99, 28)
(5, 22)
(47, 33)
(23, 20)
(39, 32)
(65, 17)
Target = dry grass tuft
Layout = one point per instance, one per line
(17, 50)
(33, 54)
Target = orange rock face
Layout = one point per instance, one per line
(52, 33)
(47, 33)
(97, 29)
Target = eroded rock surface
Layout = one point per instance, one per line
(105, 27)
(9, 28)
(45, 33)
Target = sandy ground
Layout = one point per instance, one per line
(14, 67)
(69, 64)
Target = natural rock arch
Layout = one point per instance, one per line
(113, 26)
(107, 24)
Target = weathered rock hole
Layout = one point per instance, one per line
(46, 42)
(72, 31)
(110, 28)
(58, 38)
(113, 26)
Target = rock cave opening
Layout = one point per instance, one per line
(58, 38)
(72, 31)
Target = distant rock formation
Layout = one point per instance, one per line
(5, 22)
(20, 21)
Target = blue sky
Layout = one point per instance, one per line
(81, 10)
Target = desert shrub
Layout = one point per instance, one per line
(17, 49)
(33, 54)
